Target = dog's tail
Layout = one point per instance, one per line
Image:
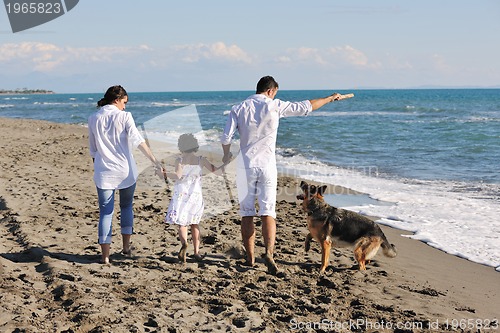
(388, 249)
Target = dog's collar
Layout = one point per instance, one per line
(311, 212)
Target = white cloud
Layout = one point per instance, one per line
(440, 64)
(208, 64)
(350, 55)
(44, 57)
(327, 57)
(310, 54)
(12, 51)
(395, 63)
(193, 53)
(284, 60)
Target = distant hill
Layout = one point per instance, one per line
(25, 91)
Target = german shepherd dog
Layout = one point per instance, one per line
(329, 225)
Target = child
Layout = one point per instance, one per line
(186, 206)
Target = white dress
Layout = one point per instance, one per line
(186, 206)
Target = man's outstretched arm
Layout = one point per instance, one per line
(320, 102)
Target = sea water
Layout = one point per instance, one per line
(427, 161)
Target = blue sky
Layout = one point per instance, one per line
(228, 45)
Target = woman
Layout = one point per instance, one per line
(112, 136)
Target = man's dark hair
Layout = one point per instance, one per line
(266, 83)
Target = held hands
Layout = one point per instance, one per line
(226, 159)
(160, 171)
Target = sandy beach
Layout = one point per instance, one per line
(51, 281)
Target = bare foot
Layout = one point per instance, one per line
(271, 265)
(182, 253)
(128, 252)
(198, 257)
(246, 263)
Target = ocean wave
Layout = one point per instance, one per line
(162, 104)
(51, 103)
(15, 98)
(479, 120)
(205, 137)
(286, 152)
(179, 104)
(436, 211)
(356, 113)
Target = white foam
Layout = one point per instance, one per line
(15, 98)
(356, 113)
(49, 103)
(455, 222)
(177, 103)
(173, 103)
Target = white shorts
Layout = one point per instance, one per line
(257, 184)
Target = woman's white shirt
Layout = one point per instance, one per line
(112, 138)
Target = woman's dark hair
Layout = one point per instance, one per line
(266, 83)
(112, 94)
(188, 143)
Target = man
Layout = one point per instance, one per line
(256, 119)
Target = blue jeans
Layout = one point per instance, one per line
(106, 210)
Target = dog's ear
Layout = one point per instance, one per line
(322, 189)
(303, 184)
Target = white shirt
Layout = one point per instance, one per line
(112, 137)
(257, 120)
